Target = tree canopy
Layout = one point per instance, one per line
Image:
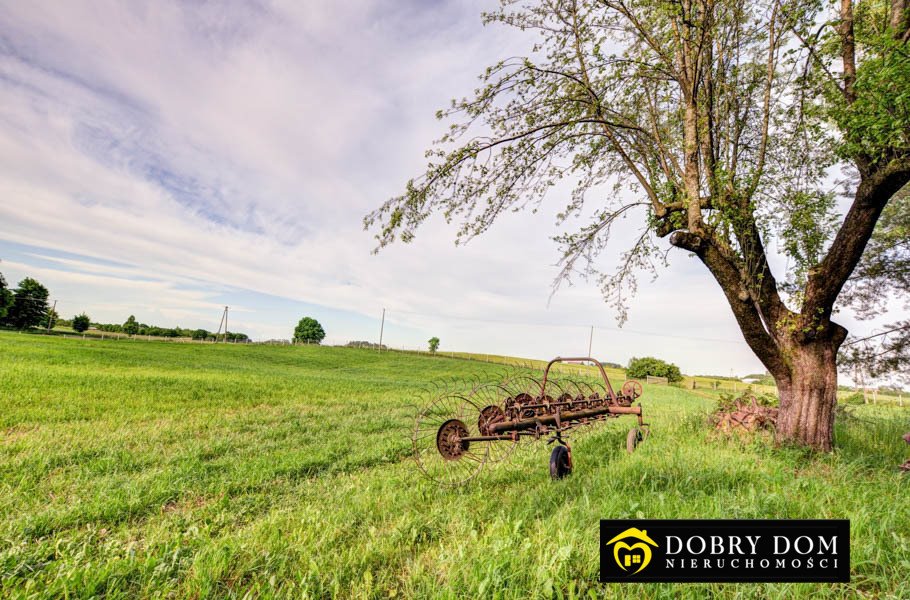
(640, 368)
(6, 298)
(309, 331)
(131, 326)
(29, 306)
(81, 322)
(723, 127)
(881, 279)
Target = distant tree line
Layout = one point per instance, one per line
(27, 306)
(132, 327)
(365, 344)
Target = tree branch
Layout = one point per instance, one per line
(874, 192)
(744, 310)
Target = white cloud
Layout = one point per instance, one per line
(219, 146)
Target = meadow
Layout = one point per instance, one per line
(148, 469)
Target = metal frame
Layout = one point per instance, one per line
(523, 414)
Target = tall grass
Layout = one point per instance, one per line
(190, 471)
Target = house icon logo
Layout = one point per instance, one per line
(635, 555)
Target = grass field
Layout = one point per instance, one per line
(188, 471)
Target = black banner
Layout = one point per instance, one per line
(724, 550)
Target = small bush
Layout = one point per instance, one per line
(81, 323)
(640, 368)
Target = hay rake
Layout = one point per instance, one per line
(462, 429)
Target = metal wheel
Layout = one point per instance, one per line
(633, 439)
(492, 398)
(522, 389)
(438, 449)
(522, 383)
(560, 462)
(631, 388)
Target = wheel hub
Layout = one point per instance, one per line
(448, 439)
(488, 416)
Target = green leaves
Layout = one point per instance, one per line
(29, 304)
(640, 368)
(309, 331)
(81, 323)
(808, 223)
(131, 326)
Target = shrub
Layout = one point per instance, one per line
(81, 323)
(640, 368)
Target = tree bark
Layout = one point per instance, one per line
(808, 397)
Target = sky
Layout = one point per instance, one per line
(166, 159)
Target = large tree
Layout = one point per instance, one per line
(309, 331)
(131, 326)
(29, 305)
(881, 279)
(722, 126)
(6, 298)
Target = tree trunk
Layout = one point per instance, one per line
(809, 396)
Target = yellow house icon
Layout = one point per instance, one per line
(629, 559)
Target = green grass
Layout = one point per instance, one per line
(160, 470)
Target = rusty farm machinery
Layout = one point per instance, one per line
(458, 432)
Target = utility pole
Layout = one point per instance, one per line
(590, 340)
(223, 321)
(381, 329)
(50, 316)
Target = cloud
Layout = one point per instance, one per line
(172, 157)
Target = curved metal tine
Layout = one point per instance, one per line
(577, 389)
(494, 395)
(555, 389)
(584, 388)
(597, 390)
(504, 375)
(597, 387)
(525, 383)
(427, 455)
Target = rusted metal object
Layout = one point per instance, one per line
(746, 415)
(460, 431)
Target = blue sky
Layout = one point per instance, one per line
(165, 159)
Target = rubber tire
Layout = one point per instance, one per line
(559, 462)
(633, 439)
